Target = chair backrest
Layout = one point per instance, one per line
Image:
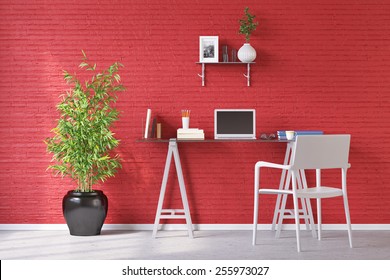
(321, 151)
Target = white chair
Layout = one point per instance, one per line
(310, 152)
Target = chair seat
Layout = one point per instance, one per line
(319, 192)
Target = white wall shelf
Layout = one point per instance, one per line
(247, 75)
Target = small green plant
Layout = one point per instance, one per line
(82, 141)
(247, 25)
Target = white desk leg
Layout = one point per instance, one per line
(183, 192)
(280, 212)
(282, 185)
(162, 191)
(173, 213)
(282, 206)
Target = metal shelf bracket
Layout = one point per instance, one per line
(202, 75)
(247, 75)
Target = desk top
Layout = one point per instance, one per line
(155, 140)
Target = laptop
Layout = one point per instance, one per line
(234, 124)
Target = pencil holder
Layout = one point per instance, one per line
(186, 122)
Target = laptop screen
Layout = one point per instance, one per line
(234, 124)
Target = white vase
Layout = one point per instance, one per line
(246, 53)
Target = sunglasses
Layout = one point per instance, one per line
(265, 136)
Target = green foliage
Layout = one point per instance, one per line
(82, 141)
(247, 26)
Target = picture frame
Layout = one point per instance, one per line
(208, 49)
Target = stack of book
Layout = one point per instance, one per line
(282, 133)
(190, 134)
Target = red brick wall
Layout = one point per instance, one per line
(321, 65)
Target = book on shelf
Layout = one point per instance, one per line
(150, 130)
(192, 137)
(153, 128)
(282, 133)
(189, 130)
(148, 116)
(190, 134)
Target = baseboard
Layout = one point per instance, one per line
(196, 227)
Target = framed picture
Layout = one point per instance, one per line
(208, 49)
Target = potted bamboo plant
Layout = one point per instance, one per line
(82, 145)
(247, 25)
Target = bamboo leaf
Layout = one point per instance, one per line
(82, 141)
(83, 64)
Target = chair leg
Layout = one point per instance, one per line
(297, 225)
(319, 221)
(348, 219)
(255, 217)
(346, 207)
(311, 219)
(256, 203)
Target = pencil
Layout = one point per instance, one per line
(185, 113)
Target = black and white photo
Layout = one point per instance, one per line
(208, 49)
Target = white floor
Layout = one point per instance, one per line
(207, 245)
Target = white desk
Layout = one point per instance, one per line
(280, 212)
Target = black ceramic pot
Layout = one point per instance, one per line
(85, 212)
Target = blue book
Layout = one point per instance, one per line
(282, 133)
(302, 132)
